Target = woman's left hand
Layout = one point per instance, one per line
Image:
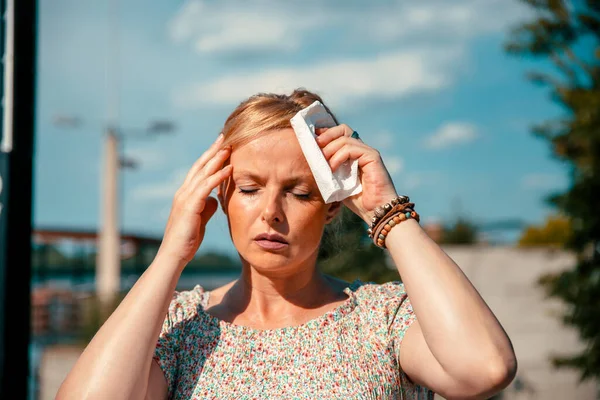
(377, 186)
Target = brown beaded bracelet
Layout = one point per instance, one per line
(383, 210)
(394, 210)
(383, 229)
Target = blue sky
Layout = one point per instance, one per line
(427, 83)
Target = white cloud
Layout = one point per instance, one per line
(393, 164)
(543, 181)
(381, 140)
(438, 31)
(221, 27)
(450, 134)
(390, 75)
(266, 25)
(458, 20)
(414, 180)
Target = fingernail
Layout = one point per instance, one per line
(220, 138)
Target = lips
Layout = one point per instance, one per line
(271, 241)
(271, 237)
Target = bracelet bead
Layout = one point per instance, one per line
(387, 216)
(381, 211)
(382, 231)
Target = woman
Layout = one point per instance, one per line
(283, 329)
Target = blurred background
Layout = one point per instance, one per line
(486, 113)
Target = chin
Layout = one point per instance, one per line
(267, 260)
(270, 261)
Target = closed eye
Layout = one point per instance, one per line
(251, 192)
(302, 196)
(248, 192)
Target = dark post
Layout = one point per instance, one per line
(18, 30)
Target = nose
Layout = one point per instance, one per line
(272, 210)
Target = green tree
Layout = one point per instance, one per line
(348, 253)
(213, 259)
(460, 232)
(567, 35)
(555, 232)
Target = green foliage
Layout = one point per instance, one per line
(212, 259)
(49, 258)
(460, 232)
(568, 35)
(46, 256)
(94, 314)
(348, 253)
(556, 232)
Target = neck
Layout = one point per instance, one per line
(272, 295)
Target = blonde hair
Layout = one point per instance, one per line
(264, 112)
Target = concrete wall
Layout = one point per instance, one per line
(506, 279)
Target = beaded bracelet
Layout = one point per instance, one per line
(384, 228)
(393, 210)
(383, 210)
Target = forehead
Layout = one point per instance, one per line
(277, 149)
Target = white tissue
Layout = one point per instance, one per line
(334, 186)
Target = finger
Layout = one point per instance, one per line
(334, 146)
(202, 191)
(333, 133)
(208, 154)
(352, 152)
(212, 166)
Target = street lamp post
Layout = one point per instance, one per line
(108, 261)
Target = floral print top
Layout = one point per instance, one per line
(350, 352)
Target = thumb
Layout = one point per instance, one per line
(210, 207)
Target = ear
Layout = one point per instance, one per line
(334, 209)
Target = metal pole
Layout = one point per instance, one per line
(108, 272)
(9, 68)
(16, 176)
(108, 265)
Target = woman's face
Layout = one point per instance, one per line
(276, 213)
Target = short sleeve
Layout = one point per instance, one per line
(183, 307)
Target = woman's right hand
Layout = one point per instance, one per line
(192, 207)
